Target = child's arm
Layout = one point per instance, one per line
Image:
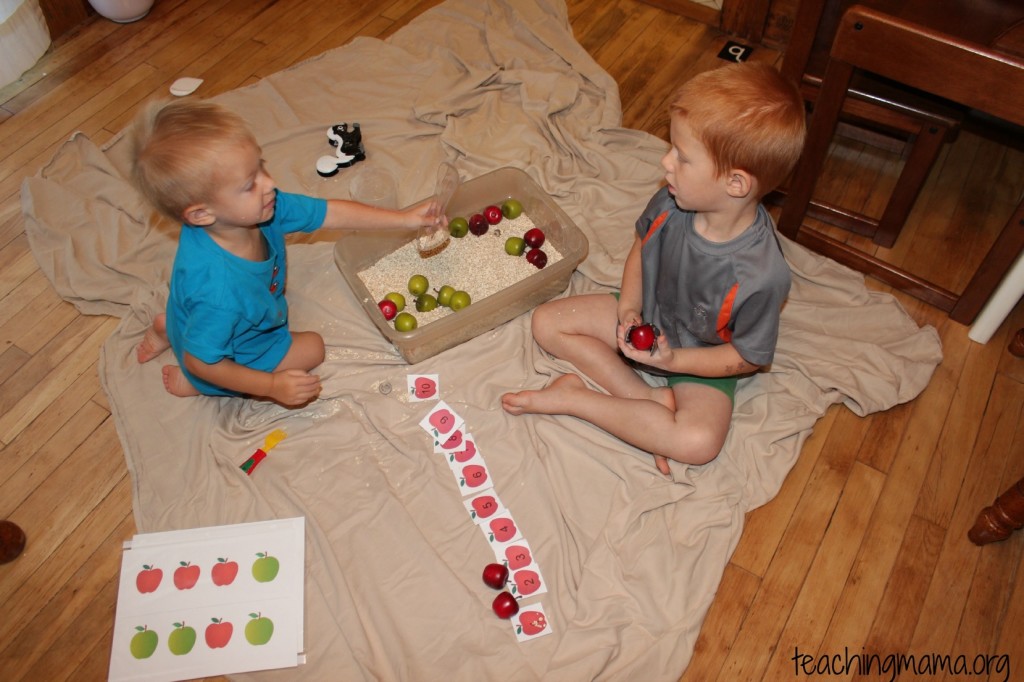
(713, 361)
(631, 291)
(352, 215)
(290, 387)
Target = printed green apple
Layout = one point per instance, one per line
(405, 322)
(397, 299)
(418, 284)
(459, 300)
(182, 639)
(265, 568)
(259, 630)
(143, 642)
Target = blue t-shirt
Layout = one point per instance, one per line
(225, 307)
(704, 293)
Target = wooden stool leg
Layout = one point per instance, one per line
(1006, 515)
(925, 151)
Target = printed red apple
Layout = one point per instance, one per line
(148, 579)
(534, 238)
(484, 506)
(442, 420)
(527, 581)
(218, 633)
(478, 224)
(493, 215)
(424, 387)
(503, 529)
(223, 572)
(505, 605)
(518, 556)
(537, 258)
(186, 576)
(642, 336)
(532, 622)
(474, 476)
(388, 309)
(466, 453)
(454, 440)
(495, 575)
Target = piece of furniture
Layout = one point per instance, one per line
(875, 111)
(945, 64)
(744, 19)
(998, 521)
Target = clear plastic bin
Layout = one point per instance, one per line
(356, 251)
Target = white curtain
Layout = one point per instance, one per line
(23, 38)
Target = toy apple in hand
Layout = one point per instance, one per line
(642, 336)
(505, 605)
(495, 575)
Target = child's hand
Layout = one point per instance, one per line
(294, 387)
(659, 355)
(427, 213)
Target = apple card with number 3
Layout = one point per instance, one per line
(531, 622)
(441, 421)
(423, 387)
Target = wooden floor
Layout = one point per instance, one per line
(863, 551)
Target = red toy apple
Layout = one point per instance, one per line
(534, 238)
(537, 258)
(478, 224)
(642, 336)
(493, 215)
(388, 308)
(505, 605)
(495, 575)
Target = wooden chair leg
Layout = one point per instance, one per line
(993, 268)
(925, 150)
(1006, 515)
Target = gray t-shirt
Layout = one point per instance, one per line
(704, 293)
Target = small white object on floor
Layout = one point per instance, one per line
(185, 86)
(999, 305)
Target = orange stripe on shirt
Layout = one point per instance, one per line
(658, 222)
(725, 314)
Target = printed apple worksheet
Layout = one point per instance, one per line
(210, 601)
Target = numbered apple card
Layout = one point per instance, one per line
(530, 623)
(423, 387)
(441, 421)
(210, 601)
(472, 476)
(500, 531)
(455, 442)
(484, 505)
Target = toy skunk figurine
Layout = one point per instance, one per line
(349, 149)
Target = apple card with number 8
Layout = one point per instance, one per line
(483, 506)
(441, 421)
(461, 453)
(531, 622)
(423, 387)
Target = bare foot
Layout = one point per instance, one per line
(549, 400)
(155, 341)
(176, 383)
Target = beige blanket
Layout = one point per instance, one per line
(393, 588)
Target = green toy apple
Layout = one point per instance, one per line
(444, 295)
(397, 299)
(460, 299)
(511, 209)
(405, 322)
(514, 246)
(425, 303)
(418, 284)
(458, 227)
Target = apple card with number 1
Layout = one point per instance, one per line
(531, 622)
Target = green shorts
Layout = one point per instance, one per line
(726, 385)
